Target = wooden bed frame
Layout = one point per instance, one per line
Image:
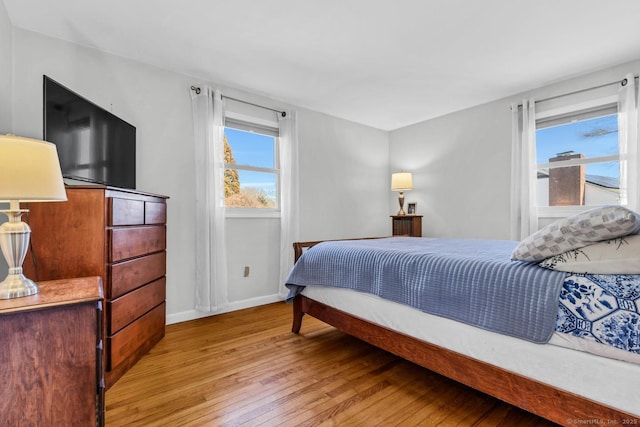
(531, 395)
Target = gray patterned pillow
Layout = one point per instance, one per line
(578, 231)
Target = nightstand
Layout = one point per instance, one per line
(51, 355)
(406, 225)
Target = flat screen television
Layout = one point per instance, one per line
(93, 144)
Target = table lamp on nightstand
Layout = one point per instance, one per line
(401, 182)
(29, 172)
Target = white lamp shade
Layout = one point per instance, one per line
(29, 170)
(401, 181)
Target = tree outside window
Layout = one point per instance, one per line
(251, 170)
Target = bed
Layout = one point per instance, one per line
(561, 375)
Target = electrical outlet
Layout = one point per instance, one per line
(246, 271)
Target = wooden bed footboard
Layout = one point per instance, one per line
(531, 395)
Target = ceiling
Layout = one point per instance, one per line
(383, 63)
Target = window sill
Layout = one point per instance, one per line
(251, 213)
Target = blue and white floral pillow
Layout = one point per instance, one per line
(603, 309)
(578, 231)
(615, 256)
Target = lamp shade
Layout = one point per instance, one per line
(401, 181)
(29, 170)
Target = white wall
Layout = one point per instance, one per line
(253, 243)
(462, 161)
(344, 181)
(6, 95)
(6, 66)
(343, 166)
(460, 165)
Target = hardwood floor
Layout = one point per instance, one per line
(246, 368)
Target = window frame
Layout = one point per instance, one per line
(600, 104)
(246, 123)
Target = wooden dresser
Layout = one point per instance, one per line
(119, 235)
(51, 355)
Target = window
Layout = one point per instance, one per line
(577, 158)
(251, 175)
(571, 151)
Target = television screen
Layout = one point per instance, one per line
(93, 144)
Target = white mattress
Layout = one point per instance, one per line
(581, 344)
(608, 381)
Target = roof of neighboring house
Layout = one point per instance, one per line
(603, 181)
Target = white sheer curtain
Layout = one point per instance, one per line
(524, 217)
(211, 262)
(289, 223)
(628, 137)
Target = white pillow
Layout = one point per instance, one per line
(578, 231)
(616, 256)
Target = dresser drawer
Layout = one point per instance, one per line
(155, 213)
(125, 276)
(126, 342)
(127, 308)
(131, 242)
(125, 211)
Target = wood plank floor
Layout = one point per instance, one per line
(246, 368)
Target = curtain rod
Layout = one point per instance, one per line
(623, 82)
(282, 113)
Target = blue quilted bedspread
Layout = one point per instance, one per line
(603, 309)
(468, 280)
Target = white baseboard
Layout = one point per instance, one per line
(185, 316)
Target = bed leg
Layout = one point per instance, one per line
(297, 315)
